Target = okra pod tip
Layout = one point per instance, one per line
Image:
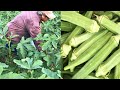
(99, 18)
(65, 49)
(95, 27)
(100, 71)
(116, 38)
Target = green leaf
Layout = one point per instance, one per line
(36, 55)
(22, 63)
(47, 58)
(23, 41)
(11, 75)
(30, 54)
(28, 63)
(50, 73)
(37, 64)
(3, 65)
(45, 45)
(5, 29)
(43, 76)
(22, 49)
(1, 70)
(29, 47)
(54, 44)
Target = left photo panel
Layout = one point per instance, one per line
(30, 45)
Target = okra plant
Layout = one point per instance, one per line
(28, 62)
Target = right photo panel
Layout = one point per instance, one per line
(90, 44)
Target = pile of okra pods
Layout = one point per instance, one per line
(90, 44)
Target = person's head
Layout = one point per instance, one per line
(46, 15)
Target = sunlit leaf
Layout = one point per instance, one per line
(11, 75)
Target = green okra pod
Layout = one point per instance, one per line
(99, 57)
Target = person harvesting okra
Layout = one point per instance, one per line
(27, 24)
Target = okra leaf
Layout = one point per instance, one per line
(29, 47)
(5, 29)
(50, 73)
(36, 55)
(46, 36)
(11, 75)
(45, 45)
(37, 64)
(1, 70)
(3, 65)
(54, 44)
(29, 63)
(47, 58)
(23, 40)
(43, 76)
(22, 63)
(30, 54)
(22, 49)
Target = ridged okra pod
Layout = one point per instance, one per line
(65, 49)
(69, 61)
(67, 26)
(107, 23)
(116, 12)
(80, 20)
(117, 71)
(77, 40)
(84, 46)
(90, 52)
(99, 57)
(89, 14)
(64, 37)
(76, 31)
(110, 63)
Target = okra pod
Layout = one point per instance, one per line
(67, 26)
(99, 57)
(110, 63)
(110, 25)
(89, 14)
(65, 49)
(90, 52)
(77, 40)
(84, 46)
(117, 71)
(108, 14)
(116, 12)
(80, 20)
(76, 31)
(64, 37)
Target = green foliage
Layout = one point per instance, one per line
(28, 63)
